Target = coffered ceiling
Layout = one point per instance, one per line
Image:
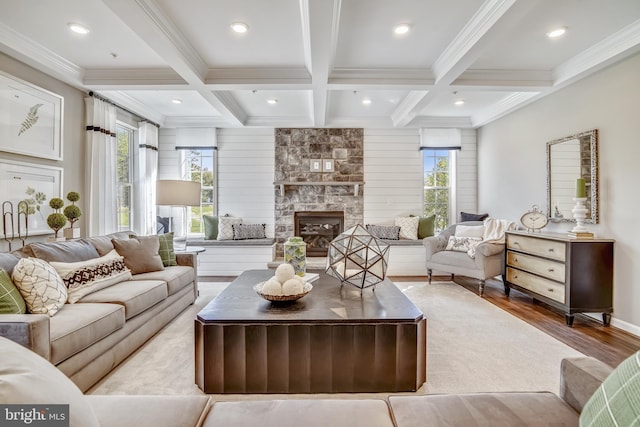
(320, 59)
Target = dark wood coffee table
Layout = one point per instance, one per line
(334, 339)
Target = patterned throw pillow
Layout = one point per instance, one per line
(389, 232)
(408, 227)
(249, 231)
(463, 244)
(40, 285)
(85, 277)
(166, 252)
(617, 401)
(225, 227)
(11, 302)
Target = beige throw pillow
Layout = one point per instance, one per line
(82, 278)
(140, 253)
(26, 378)
(225, 227)
(40, 285)
(408, 227)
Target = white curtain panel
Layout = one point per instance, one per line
(101, 173)
(148, 135)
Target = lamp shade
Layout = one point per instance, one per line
(170, 192)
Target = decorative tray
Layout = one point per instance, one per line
(277, 298)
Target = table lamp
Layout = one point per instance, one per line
(182, 194)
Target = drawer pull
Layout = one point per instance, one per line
(550, 249)
(516, 243)
(551, 270)
(550, 289)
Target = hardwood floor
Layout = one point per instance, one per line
(606, 343)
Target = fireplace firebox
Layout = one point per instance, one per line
(318, 229)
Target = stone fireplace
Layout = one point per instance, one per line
(300, 187)
(318, 229)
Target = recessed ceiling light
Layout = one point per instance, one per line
(177, 101)
(401, 29)
(239, 27)
(557, 32)
(366, 101)
(78, 28)
(459, 102)
(272, 101)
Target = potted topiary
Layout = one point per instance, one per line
(73, 213)
(56, 220)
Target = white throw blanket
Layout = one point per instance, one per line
(494, 230)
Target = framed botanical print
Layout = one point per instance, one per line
(30, 119)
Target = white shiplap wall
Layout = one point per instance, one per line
(467, 174)
(392, 175)
(245, 175)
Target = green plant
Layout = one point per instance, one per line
(72, 212)
(56, 220)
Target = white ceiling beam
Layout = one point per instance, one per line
(504, 79)
(320, 20)
(156, 29)
(442, 122)
(494, 19)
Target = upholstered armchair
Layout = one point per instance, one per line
(487, 263)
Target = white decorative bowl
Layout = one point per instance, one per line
(306, 288)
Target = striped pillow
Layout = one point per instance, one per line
(617, 401)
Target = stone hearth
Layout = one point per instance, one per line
(294, 150)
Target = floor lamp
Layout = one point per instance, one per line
(182, 194)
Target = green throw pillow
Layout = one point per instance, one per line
(11, 302)
(617, 401)
(166, 252)
(210, 227)
(426, 226)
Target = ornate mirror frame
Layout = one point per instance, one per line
(588, 166)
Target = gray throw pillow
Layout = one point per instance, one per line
(464, 216)
(389, 232)
(248, 231)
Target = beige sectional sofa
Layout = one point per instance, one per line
(26, 377)
(86, 340)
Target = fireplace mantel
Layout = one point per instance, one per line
(356, 184)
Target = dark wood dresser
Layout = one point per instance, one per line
(573, 275)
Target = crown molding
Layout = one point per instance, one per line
(623, 43)
(279, 121)
(382, 78)
(197, 122)
(504, 79)
(135, 106)
(125, 78)
(292, 77)
(441, 122)
(504, 106)
(39, 57)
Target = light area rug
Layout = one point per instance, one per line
(472, 346)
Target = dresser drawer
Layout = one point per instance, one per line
(544, 267)
(537, 284)
(543, 247)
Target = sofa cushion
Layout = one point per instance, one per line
(458, 259)
(82, 278)
(103, 243)
(77, 326)
(140, 253)
(177, 277)
(482, 409)
(288, 413)
(27, 377)
(166, 252)
(135, 295)
(65, 251)
(11, 302)
(8, 261)
(119, 411)
(617, 401)
(40, 285)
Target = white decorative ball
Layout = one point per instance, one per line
(272, 287)
(292, 287)
(285, 272)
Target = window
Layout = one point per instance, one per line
(438, 185)
(199, 165)
(125, 137)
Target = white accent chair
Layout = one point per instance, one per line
(488, 262)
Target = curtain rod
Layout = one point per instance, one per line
(105, 99)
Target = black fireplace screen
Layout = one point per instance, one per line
(318, 229)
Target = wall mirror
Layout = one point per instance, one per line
(568, 159)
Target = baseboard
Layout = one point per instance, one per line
(626, 326)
